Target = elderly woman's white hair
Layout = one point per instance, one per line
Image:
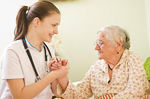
(116, 33)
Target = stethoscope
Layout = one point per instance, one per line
(31, 60)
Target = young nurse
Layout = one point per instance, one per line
(25, 70)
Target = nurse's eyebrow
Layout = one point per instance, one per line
(57, 23)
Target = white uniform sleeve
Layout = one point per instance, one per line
(11, 66)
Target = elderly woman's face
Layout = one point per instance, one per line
(104, 47)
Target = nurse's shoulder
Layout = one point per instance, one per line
(15, 46)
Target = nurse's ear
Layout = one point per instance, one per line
(36, 22)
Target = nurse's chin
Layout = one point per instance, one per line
(48, 40)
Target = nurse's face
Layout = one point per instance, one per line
(48, 27)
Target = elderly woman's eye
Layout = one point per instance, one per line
(101, 43)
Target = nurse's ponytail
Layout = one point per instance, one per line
(26, 14)
(21, 23)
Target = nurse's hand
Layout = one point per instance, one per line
(57, 63)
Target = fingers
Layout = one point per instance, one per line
(58, 59)
(54, 60)
(51, 62)
(64, 62)
(56, 63)
(55, 68)
(62, 71)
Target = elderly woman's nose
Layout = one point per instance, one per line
(97, 47)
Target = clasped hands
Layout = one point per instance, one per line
(60, 65)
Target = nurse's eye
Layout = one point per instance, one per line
(54, 25)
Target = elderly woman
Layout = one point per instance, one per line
(118, 71)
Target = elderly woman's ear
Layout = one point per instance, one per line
(119, 46)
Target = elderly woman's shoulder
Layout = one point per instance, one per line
(133, 57)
